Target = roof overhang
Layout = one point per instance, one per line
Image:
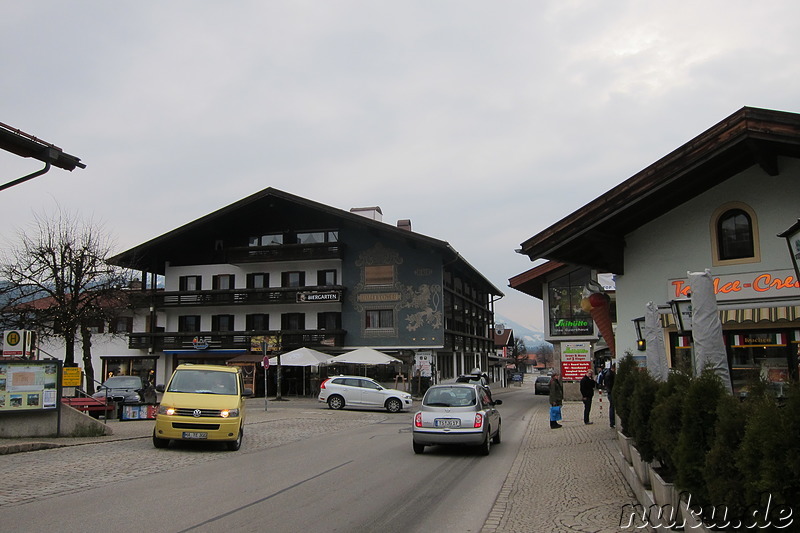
(594, 235)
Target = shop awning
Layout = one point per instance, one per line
(789, 313)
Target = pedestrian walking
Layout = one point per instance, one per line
(587, 393)
(608, 382)
(556, 400)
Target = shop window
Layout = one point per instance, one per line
(222, 323)
(735, 235)
(257, 322)
(189, 323)
(190, 283)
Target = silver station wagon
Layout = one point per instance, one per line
(457, 414)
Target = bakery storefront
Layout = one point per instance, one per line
(760, 317)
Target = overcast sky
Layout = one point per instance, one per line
(482, 122)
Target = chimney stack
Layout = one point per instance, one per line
(404, 223)
(373, 213)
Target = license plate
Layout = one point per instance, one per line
(447, 423)
(195, 435)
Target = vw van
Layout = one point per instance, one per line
(202, 402)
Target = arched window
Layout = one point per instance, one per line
(735, 235)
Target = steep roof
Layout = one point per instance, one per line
(594, 235)
(26, 145)
(194, 237)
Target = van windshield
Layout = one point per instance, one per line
(203, 382)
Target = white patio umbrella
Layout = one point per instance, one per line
(654, 344)
(709, 346)
(365, 356)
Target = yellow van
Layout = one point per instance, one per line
(202, 402)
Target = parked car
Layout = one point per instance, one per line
(541, 385)
(356, 391)
(202, 402)
(127, 390)
(460, 414)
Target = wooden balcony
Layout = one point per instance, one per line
(233, 340)
(285, 252)
(272, 295)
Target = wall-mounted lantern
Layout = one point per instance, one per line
(641, 343)
(682, 313)
(792, 236)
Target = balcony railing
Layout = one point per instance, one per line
(273, 295)
(285, 252)
(233, 340)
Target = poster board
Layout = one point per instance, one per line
(29, 385)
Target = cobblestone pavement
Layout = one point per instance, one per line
(561, 480)
(27, 476)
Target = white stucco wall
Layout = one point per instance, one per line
(680, 241)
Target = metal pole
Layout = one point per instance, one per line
(278, 370)
(265, 366)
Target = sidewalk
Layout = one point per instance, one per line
(561, 480)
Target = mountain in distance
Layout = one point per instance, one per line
(529, 335)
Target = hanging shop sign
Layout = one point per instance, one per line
(314, 297)
(744, 286)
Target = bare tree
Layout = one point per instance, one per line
(520, 354)
(59, 284)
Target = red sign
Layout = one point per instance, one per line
(265, 362)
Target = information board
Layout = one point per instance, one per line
(28, 385)
(576, 359)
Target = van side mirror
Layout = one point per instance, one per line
(160, 388)
(247, 393)
(498, 402)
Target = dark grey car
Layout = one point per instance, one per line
(126, 389)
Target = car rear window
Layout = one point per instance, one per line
(450, 397)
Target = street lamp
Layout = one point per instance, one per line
(792, 236)
(682, 313)
(641, 342)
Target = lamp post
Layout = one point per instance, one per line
(641, 342)
(792, 236)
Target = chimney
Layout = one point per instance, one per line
(373, 213)
(404, 223)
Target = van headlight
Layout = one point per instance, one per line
(164, 410)
(226, 413)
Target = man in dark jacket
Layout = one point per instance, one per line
(608, 383)
(587, 392)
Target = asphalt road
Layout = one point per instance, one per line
(344, 471)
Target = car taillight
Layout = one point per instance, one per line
(322, 386)
(478, 420)
(418, 420)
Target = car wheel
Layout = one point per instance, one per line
(487, 444)
(336, 402)
(234, 445)
(393, 405)
(496, 438)
(158, 442)
(418, 448)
